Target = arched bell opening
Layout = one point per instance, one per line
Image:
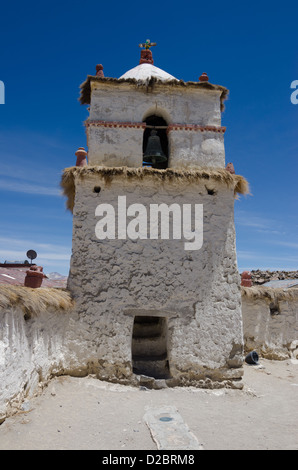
(155, 143)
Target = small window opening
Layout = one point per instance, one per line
(149, 347)
(158, 124)
(210, 191)
(97, 189)
(274, 308)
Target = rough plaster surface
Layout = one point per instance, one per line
(196, 291)
(31, 351)
(115, 146)
(124, 102)
(193, 149)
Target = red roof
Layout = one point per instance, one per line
(16, 276)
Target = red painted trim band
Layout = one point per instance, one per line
(142, 125)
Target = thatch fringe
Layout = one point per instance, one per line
(270, 294)
(85, 93)
(219, 175)
(34, 301)
(68, 187)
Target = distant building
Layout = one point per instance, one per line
(14, 273)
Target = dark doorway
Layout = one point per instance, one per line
(149, 347)
(160, 125)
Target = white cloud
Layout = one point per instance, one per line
(265, 257)
(287, 244)
(26, 242)
(256, 221)
(250, 221)
(28, 188)
(250, 260)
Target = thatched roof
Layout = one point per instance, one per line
(202, 175)
(34, 301)
(85, 87)
(269, 293)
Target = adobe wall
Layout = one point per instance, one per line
(31, 351)
(270, 322)
(197, 292)
(40, 337)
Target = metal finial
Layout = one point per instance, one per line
(147, 44)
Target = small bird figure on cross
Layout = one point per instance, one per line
(147, 44)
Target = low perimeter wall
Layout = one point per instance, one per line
(41, 336)
(33, 346)
(270, 321)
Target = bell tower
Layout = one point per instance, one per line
(153, 267)
(188, 115)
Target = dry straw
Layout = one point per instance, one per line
(34, 301)
(269, 293)
(199, 176)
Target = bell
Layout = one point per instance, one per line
(153, 153)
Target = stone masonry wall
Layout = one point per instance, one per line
(260, 277)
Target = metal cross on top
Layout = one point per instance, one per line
(147, 44)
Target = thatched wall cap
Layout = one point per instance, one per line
(35, 301)
(269, 294)
(198, 176)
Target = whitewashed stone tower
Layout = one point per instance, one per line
(150, 308)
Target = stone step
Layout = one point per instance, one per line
(152, 366)
(145, 330)
(148, 319)
(149, 346)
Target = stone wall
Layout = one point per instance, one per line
(261, 277)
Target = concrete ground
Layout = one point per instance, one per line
(85, 414)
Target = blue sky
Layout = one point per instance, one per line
(48, 49)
